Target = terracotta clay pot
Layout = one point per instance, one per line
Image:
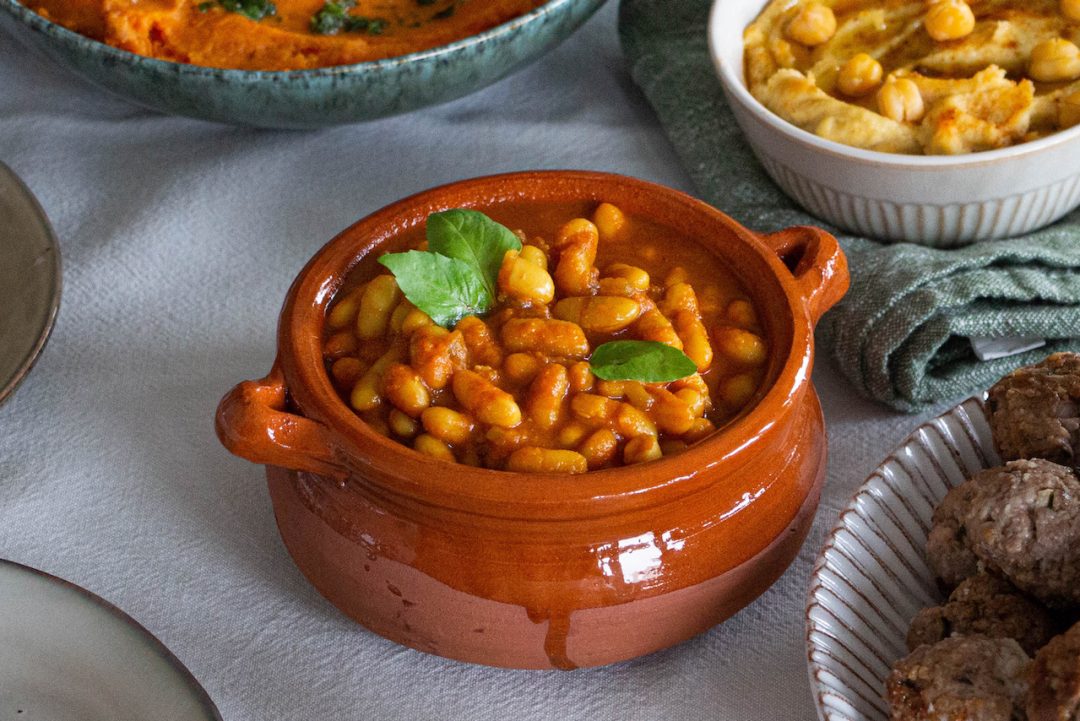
(542, 570)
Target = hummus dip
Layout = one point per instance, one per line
(278, 34)
(918, 77)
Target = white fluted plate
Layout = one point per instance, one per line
(68, 655)
(872, 577)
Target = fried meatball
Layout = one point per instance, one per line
(1023, 522)
(1035, 411)
(1055, 680)
(965, 677)
(947, 549)
(984, 605)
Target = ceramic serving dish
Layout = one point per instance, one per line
(29, 281)
(306, 98)
(544, 570)
(940, 201)
(68, 655)
(872, 576)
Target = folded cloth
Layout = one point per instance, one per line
(902, 334)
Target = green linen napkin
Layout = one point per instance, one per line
(901, 334)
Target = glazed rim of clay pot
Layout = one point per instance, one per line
(791, 301)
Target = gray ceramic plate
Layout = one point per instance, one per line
(29, 280)
(306, 98)
(68, 655)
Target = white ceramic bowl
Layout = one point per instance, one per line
(872, 576)
(940, 201)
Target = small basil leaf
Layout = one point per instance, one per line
(640, 360)
(447, 289)
(473, 238)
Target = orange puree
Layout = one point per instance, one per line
(209, 33)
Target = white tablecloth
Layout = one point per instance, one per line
(179, 241)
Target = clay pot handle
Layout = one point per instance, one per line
(817, 262)
(252, 423)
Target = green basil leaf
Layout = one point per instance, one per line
(473, 238)
(447, 289)
(640, 360)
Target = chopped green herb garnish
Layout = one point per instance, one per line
(457, 275)
(447, 13)
(640, 360)
(334, 17)
(251, 9)
(423, 3)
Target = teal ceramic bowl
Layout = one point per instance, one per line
(306, 98)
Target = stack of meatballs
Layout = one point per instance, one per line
(1005, 646)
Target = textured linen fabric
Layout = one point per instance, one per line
(180, 239)
(900, 335)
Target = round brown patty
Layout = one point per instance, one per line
(1023, 522)
(947, 549)
(988, 606)
(973, 678)
(1035, 411)
(1055, 680)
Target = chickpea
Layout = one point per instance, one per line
(435, 353)
(343, 313)
(737, 390)
(577, 242)
(599, 448)
(521, 367)
(900, 100)
(641, 449)
(741, 313)
(546, 395)
(543, 335)
(699, 429)
(380, 298)
(1054, 60)
(609, 221)
(695, 339)
(859, 75)
(598, 313)
(524, 280)
(431, 446)
(692, 398)
(534, 255)
(447, 424)
(365, 394)
(581, 377)
(532, 459)
(397, 318)
(415, 319)
(346, 371)
(402, 424)
(676, 276)
(632, 422)
(611, 389)
(653, 325)
(590, 407)
(1071, 10)
(638, 395)
(812, 25)
(572, 434)
(949, 20)
(637, 278)
(403, 387)
(340, 345)
(740, 345)
(478, 339)
(488, 403)
(670, 413)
